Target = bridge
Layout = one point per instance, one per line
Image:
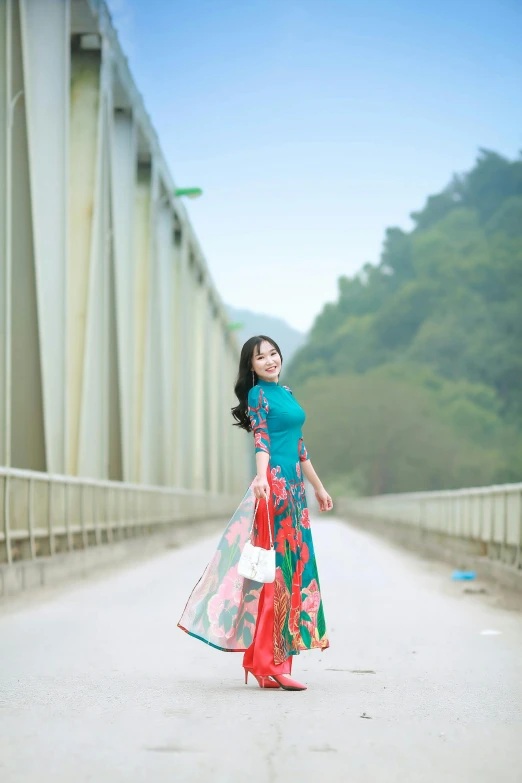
(117, 363)
(120, 467)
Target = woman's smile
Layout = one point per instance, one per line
(266, 360)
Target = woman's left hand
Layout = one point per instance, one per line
(324, 499)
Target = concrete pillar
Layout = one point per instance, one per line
(123, 196)
(24, 382)
(223, 400)
(239, 439)
(184, 365)
(5, 223)
(94, 430)
(115, 470)
(214, 400)
(46, 61)
(84, 169)
(176, 356)
(217, 435)
(198, 379)
(142, 245)
(228, 376)
(163, 303)
(154, 435)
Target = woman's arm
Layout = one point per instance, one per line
(311, 475)
(258, 414)
(323, 498)
(261, 486)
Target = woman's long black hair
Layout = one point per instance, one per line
(245, 381)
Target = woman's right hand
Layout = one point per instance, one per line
(261, 487)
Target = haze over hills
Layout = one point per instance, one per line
(288, 338)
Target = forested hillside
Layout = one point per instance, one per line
(413, 378)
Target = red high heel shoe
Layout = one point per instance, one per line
(264, 682)
(287, 683)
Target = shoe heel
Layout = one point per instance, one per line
(262, 680)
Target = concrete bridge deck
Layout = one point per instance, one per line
(422, 683)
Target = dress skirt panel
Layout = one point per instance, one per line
(224, 607)
(299, 622)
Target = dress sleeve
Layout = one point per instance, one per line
(303, 454)
(257, 413)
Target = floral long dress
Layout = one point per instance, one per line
(223, 607)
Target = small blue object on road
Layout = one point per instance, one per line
(463, 575)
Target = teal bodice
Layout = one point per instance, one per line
(277, 419)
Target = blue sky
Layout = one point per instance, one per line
(312, 126)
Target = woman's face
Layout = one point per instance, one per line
(266, 362)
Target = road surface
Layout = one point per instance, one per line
(422, 682)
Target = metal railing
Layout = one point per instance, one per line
(43, 514)
(489, 517)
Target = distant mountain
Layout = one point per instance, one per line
(288, 338)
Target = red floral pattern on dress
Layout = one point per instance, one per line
(304, 554)
(278, 485)
(286, 534)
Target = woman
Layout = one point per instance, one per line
(275, 621)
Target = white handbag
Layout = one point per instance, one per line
(255, 562)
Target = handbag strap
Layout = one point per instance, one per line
(269, 526)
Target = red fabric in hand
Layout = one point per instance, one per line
(259, 657)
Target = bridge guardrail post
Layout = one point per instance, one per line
(518, 562)
(30, 517)
(67, 518)
(82, 516)
(503, 548)
(121, 513)
(108, 530)
(52, 546)
(7, 528)
(96, 516)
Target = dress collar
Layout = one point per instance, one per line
(266, 384)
